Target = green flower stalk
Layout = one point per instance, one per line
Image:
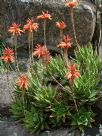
(15, 31)
(16, 58)
(23, 84)
(65, 45)
(61, 26)
(72, 75)
(32, 47)
(30, 27)
(44, 27)
(72, 4)
(44, 16)
(73, 25)
(29, 41)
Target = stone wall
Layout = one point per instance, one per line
(17, 11)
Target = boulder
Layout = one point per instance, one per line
(11, 128)
(20, 10)
(7, 91)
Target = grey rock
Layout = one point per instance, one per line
(99, 103)
(23, 63)
(6, 93)
(11, 128)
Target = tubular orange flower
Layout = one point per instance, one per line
(73, 73)
(66, 38)
(65, 44)
(31, 26)
(8, 55)
(23, 82)
(72, 4)
(45, 15)
(42, 52)
(15, 29)
(61, 25)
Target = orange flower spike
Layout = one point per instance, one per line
(31, 26)
(45, 15)
(42, 52)
(23, 82)
(39, 51)
(65, 44)
(15, 29)
(72, 4)
(73, 73)
(61, 25)
(8, 55)
(66, 38)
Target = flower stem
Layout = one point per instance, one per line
(8, 80)
(32, 38)
(61, 35)
(65, 57)
(8, 75)
(73, 25)
(23, 101)
(16, 59)
(29, 37)
(61, 39)
(41, 70)
(44, 27)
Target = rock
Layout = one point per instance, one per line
(23, 63)
(7, 94)
(11, 128)
(18, 11)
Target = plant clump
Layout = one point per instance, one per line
(58, 95)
